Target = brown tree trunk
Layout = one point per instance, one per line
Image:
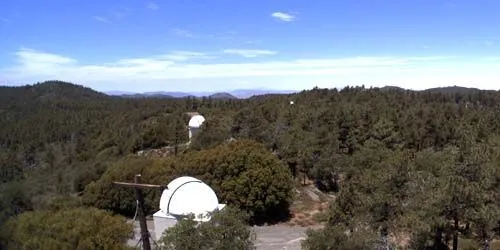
(438, 239)
(485, 238)
(486, 244)
(293, 168)
(455, 234)
(385, 238)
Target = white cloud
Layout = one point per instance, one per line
(182, 55)
(33, 56)
(285, 17)
(101, 19)
(154, 63)
(249, 53)
(42, 63)
(189, 71)
(252, 41)
(152, 6)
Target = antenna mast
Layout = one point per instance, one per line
(146, 245)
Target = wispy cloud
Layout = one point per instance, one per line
(33, 65)
(101, 19)
(250, 41)
(188, 70)
(152, 6)
(450, 4)
(492, 59)
(114, 15)
(34, 56)
(42, 63)
(282, 16)
(4, 20)
(183, 33)
(120, 12)
(225, 36)
(479, 43)
(488, 43)
(183, 55)
(229, 37)
(249, 53)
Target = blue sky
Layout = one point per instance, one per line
(217, 45)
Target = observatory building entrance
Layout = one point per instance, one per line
(185, 196)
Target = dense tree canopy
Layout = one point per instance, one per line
(242, 173)
(106, 195)
(435, 197)
(415, 165)
(214, 131)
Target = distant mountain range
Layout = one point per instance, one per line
(235, 94)
(247, 93)
(63, 90)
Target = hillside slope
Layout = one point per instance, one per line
(56, 137)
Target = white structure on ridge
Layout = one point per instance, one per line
(194, 124)
(184, 196)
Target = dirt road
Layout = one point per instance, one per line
(279, 237)
(268, 237)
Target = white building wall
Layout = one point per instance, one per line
(161, 223)
(193, 131)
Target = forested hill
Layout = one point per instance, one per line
(443, 90)
(52, 133)
(455, 90)
(51, 91)
(57, 138)
(73, 116)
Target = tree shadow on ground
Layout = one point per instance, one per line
(275, 215)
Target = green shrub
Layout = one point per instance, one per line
(81, 228)
(226, 230)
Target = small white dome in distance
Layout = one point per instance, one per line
(196, 121)
(188, 195)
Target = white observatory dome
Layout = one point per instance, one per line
(196, 121)
(187, 195)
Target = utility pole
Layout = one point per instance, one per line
(146, 245)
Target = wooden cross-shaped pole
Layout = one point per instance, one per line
(140, 207)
